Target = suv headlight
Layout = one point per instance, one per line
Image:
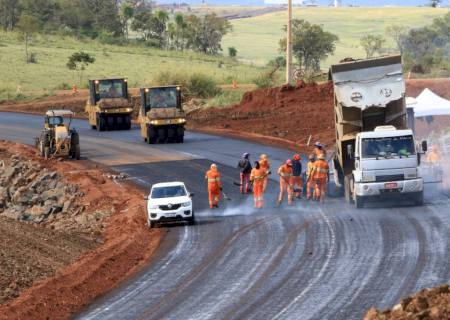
(152, 206)
(185, 204)
(368, 177)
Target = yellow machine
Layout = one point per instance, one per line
(161, 115)
(109, 106)
(57, 138)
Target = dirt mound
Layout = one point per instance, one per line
(67, 257)
(433, 304)
(298, 113)
(289, 116)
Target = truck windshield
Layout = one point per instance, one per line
(110, 89)
(168, 192)
(162, 98)
(55, 121)
(386, 147)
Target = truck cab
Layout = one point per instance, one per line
(386, 165)
(161, 115)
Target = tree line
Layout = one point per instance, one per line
(113, 21)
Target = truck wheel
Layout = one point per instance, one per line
(101, 123)
(41, 148)
(162, 136)
(152, 137)
(127, 122)
(77, 152)
(347, 189)
(181, 139)
(418, 199)
(359, 202)
(110, 123)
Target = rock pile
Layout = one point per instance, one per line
(29, 192)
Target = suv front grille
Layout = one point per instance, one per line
(387, 178)
(171, 207)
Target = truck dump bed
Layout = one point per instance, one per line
(368, 93)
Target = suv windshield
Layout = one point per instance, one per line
(402, 146)
(162, 98)
(110, 89)
(168, 192)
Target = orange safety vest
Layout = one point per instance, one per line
(320, 169)
(433, 157)
(264, 165)
(310, 168)
(213, 177)
(257, 175)
(285, 172)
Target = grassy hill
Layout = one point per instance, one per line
(141, 65)
(256, 38)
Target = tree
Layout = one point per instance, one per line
(310, 44)
(28, 25)
(398, 34)
(232, 52)
(9, 14)
(435, 3)
(126, 14)
(180, 29)
(372, 44)
(78, 62)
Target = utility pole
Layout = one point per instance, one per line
(289, 45)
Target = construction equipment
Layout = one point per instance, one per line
(58, 138)
(376, 154)
(161, 115)
(109, 106)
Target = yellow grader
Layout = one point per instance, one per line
(58, 138)
(109, 106)
(161, 115)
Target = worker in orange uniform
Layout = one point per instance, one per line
(296, 180)
(433, 156)
(309, 177)
(257, 176)
(320, 176)
(265, 166)
(214, 186)
(318, 149)
(285, 173)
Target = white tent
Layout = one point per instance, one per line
(430, 104)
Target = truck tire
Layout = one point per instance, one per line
(418, 199)
(162, 135)
(77, 152)
(41, 148)
(110, 123)
(172, 135)
(46, 152)
(347, 189)
(359, 202)
(101, 123)
(75, 138)
(127, 122)
(180, 134)
(152, 137)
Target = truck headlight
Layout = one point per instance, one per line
(186, 204)
(411, 175)
(368, 178)
(182, 120)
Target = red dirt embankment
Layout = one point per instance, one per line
(289, 116)
(125, 244)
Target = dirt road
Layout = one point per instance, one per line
(274, 264)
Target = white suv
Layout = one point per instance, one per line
(169, 201)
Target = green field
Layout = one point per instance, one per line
(256, 38)
(139, 64)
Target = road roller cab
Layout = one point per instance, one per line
(161, 115)
(109, 106)
(58, 138)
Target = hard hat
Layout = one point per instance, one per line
(311, 157)
(318, 144)
(321, 156)
(263, 156)
(289, 162)
(246, 155)
(213, 166)
(297, 157)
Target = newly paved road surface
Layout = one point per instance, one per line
(307, 262)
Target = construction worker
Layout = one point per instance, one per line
(318, 149)
(214, 186)
(245, 168)
(433, 157)
(265, 166)
(309, 177)
(320, 176)
(285, 173)
(257, 176)
(296, 180)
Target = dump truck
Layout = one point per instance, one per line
(376, 155)
(57, 138)
(161, 115)
(109, 105)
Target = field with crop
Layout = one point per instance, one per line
(140, 64)
(256, 38)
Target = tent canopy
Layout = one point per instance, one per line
(430, 104)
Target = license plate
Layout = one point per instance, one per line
(391, 185)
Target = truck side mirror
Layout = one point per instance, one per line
(350, 151)
(424, 146)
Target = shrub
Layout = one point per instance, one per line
(232, 52)
(263, 81)
(32, 58)
(196, 85)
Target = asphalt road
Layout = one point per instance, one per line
(306, 262)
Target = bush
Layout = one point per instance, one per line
(196, 85)
(263, 81)
(232, 52)
(32, 58)
(109, 38)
